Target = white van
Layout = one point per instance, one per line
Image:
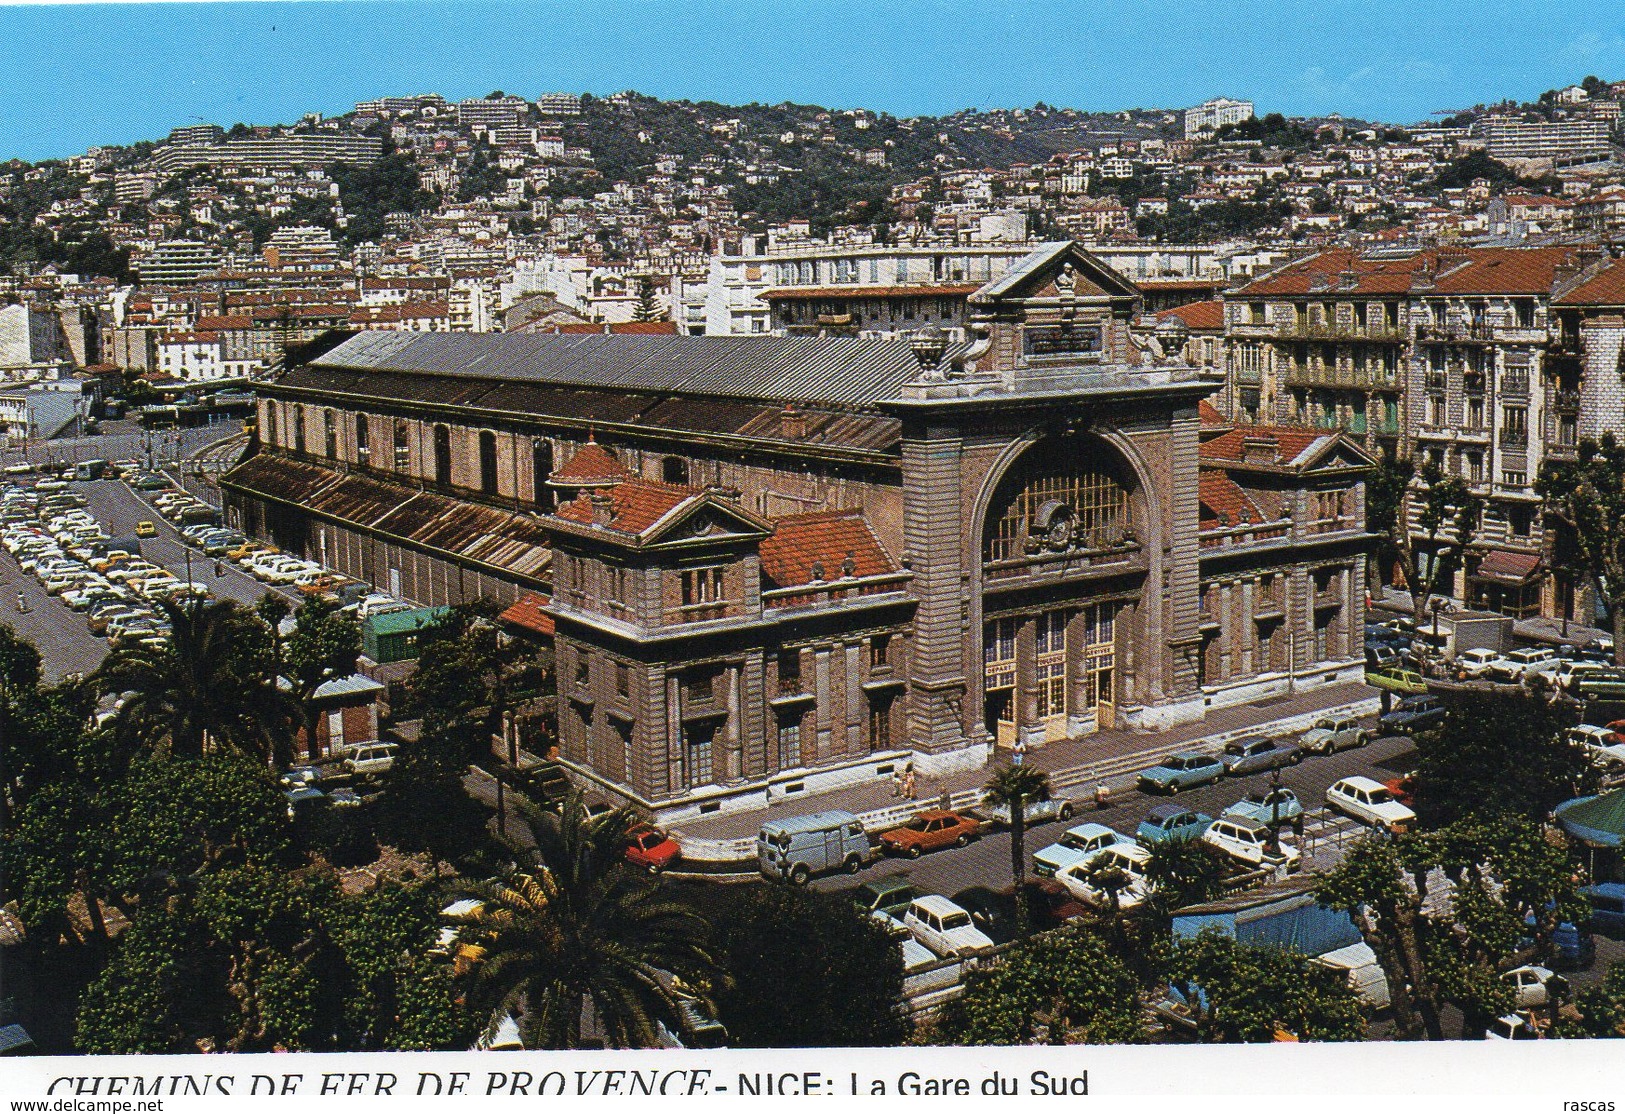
(371, 758)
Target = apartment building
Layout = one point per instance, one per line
(1210, 116)
(1449, 356)
(1564, 140)
(285, 152)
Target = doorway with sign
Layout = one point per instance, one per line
(1099, 651)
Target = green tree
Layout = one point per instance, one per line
(648, 307)
(1244, 993)
(425, 807)
(213, 680)
(1504, 752)
(1014, 787)
(1602, 1007)
(393, 997)
(578, 926)
(176, 818)
(469, 675)
(1182, 872)
(1448, 912)
(838, 986)
(1062, 987)
(1586, 496)
(1446, 515)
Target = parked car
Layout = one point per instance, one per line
(1604, 747)
(1075, 845)
(1411, 715)
(1269, 806)
(650, 848)
(1369, 802)
(1380, 656)
(1255, 754)
(371, 758)
(1396, 678)
(1130, 858)
(1536, 986)
(1171, 821)
(1330, 735)
(945, 928)
(1036, 812)
(929, 831)
(1511, 665)
(1473, 664)
(886, 899)
(1185, 770)
(1251, 844)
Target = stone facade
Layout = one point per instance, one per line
(778, 564)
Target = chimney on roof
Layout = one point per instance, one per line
(792, 423)
(603, 508)
(1260, 448)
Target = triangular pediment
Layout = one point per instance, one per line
(707, 517)
(1335, 453)
(1059, 269)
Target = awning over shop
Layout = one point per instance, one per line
(1505, 567)
(1598, 821)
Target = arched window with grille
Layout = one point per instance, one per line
(403, 447)
(330, 434)
(1063, 494)
(362, 447)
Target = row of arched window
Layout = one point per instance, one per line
(673, 469)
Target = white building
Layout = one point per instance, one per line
(1210, 116)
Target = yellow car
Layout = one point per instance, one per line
(249, 548)
(145, 530)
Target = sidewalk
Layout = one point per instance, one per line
(1074, 765)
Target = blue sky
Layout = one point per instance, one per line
(116, 73)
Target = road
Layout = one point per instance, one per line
(65, 644)
(126, 440)
(987, 861)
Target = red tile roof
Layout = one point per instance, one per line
(1504, 271)
(1197, 316)
(527, 614)
(592, 464)
(1290, 442)
(634, 505)
(1500, 564)
(1606, 288)
(217, 324)
(1224, 503)
(827, 538)
(1210, 414)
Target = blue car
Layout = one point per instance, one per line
(1170, 821)
(1185, 770)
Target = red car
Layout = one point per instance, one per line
(928, 831)
(650, 848)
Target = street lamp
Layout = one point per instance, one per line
(1437, 604)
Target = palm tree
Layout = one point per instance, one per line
(577, 929)
(1181, 872)
(1014, 787)
(213, 678)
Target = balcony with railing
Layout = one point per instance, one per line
(1342, 375)
(1566, 400)
(1513, 438)
(1247, 533)
(1381, 332)
(1515, 384)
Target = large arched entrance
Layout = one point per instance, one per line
(1060, 569)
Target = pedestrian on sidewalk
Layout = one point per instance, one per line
(1103, 796)
(22, 603)
(946, 801)
(908, 782)
(896, 782)
(1018, 751)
